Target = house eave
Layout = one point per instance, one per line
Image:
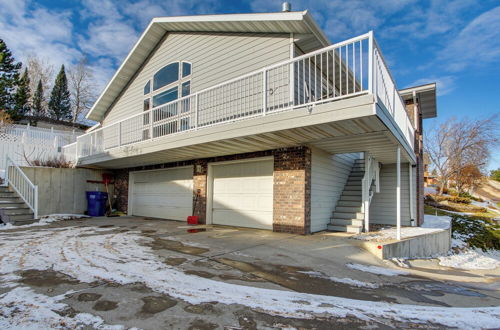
(281, 22)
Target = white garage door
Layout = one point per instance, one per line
(243, 194)
(165, 194)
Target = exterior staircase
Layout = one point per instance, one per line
(12, 208)
(348, 215)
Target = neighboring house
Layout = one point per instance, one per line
(256, 120)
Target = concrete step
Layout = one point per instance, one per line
(11, 203)
(24, 222)
(351, 193)
(348, 229)
(21, 217)
(16, 210)
(348, 215)
(351, 198)
(352, 187)
(7, 194)
(349, 203)
(359, 160)
(345, 222)
(358, 168)
(4, 189)
(352, 209)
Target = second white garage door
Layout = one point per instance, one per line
(243, 194)
(166, 194)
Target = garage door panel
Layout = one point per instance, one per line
(163, 194)
(243, 194)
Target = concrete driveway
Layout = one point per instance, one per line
(89, 270)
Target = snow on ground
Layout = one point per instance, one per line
(22, 308)
(91, 254)
(431, 224)
(45, 220)
(471, 259)
(345, 280)
(377, 270)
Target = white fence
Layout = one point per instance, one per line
(22, 143)
(346, 69)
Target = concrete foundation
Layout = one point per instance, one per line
(423, 246)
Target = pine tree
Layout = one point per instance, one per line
(9, 74)
(59, 103)
(21, 98)
(37, 108)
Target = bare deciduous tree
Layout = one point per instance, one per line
(82, 88)
(40, 70)
(457, 145)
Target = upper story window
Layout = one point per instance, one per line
(166, 76)
(168, 84)
(186, 69)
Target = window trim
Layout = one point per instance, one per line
(179, 82)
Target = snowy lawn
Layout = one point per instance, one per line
(94, 254)
(475, 244)
(45, 220)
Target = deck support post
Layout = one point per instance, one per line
(398, 193)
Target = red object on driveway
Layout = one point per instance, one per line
(193, 220)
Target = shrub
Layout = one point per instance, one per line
(454, 199)
(55, 161)
(467, 195)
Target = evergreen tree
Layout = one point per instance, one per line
(9, 74)
(38, 102)
(59, 103)
(21, 98)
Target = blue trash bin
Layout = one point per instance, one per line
(96, 203)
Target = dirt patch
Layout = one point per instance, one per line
(105, 305)
(165, 244)
(156, 304)
(88, 296)
(199, 273)
(201, 309)
(148, 231)
(175, 261)
(45, 278)
(292, 278)
(202, 325)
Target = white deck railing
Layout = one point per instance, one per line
(346, 69)
(22, 185)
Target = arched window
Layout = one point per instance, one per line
(168, 84)
(166, 76)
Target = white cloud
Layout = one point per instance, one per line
(37, 31)
(478, 44)
(444, 84)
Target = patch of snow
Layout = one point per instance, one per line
(472, 259)
(432, 224)
(45, 220)
(344, 280)
(89, 255)
(377, 270)
(430, 191)
(438, 222)
(22, 308)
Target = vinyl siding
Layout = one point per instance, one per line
(215, 58)
(383, 205)
(329, 173)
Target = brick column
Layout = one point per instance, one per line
(292, 190)
(200, 190)
(121, 178)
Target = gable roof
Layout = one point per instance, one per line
(300, 23)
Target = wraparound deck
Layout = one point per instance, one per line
(341, 98)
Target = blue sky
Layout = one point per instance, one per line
(455, 43)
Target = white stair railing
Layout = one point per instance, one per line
(22, 185)
(372, 173)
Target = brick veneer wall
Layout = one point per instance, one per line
(292, 186)
(292, 190)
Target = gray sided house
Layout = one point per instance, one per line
(256, 120)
